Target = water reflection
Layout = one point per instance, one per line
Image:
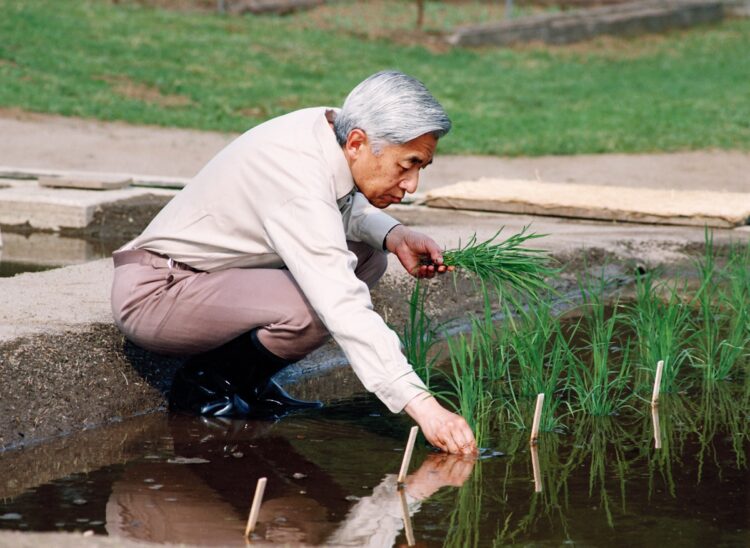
(206, 500)
(332, 480)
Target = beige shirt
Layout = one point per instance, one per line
(280, 195)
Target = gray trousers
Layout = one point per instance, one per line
(172, 309)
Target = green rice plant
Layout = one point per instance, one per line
(540, 356)
(420, 335)
(601, 387)
(491, 344)
(662, 330)
(508, 265)
(735, 299)
(739, 271)
(721, 332)
(468, 392)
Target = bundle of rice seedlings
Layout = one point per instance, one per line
(508, 264)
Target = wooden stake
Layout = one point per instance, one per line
(408, 529)
(537, 419)
(657, 427)
(255, 507)
(537, 470)
(407, 454)
(657, 383)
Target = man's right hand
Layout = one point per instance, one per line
(447, 431)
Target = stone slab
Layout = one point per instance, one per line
(612, 203)
(87, 182)
(26, 203)
(86, 177)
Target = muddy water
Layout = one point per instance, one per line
(38, 251)
(331, 481)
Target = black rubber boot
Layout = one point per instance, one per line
(234, 380)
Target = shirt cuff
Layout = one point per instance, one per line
(376, 227)
(401, 391)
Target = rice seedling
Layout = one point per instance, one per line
(662, 330)
(539, 355)
(601, 387)
(468, 391)
(721, 330)
(420, 335)
(735, 299)
(491, 342)
(508, 265)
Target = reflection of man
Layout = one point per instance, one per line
(274, 245)
(377, 520)
(158, 501)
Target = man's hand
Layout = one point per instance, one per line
(419, 254)
(443, 429)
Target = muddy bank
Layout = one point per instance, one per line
(57, 383)
(66, 368)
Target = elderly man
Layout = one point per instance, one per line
(275, 244)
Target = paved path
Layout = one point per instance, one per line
(43, 141)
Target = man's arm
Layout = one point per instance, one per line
(307, 235)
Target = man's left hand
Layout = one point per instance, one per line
(419, 254)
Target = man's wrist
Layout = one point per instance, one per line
(392, 237)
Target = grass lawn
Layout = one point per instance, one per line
(90, 58)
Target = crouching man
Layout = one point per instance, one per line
(276, 243)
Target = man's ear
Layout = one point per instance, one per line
(354, 143)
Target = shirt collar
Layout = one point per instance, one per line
(334, 156)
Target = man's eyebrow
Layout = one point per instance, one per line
(418, 160)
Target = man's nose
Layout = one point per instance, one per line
(410, 183)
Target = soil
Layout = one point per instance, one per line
(52, 389)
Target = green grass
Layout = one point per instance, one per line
(90, 58)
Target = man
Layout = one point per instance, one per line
(275, 244)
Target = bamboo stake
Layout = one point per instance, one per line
(657, 427)
(537, 469)
(537, 419)
(407, 454)
(408, 529)
(657, 383)
(255, 507)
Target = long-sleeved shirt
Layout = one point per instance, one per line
(282, 194)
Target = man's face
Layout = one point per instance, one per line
(385, 178)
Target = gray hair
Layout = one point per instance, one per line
(392, 109)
